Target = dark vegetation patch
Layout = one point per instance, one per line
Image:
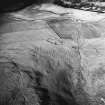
(26, 86)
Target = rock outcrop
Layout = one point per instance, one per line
(51, 59)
